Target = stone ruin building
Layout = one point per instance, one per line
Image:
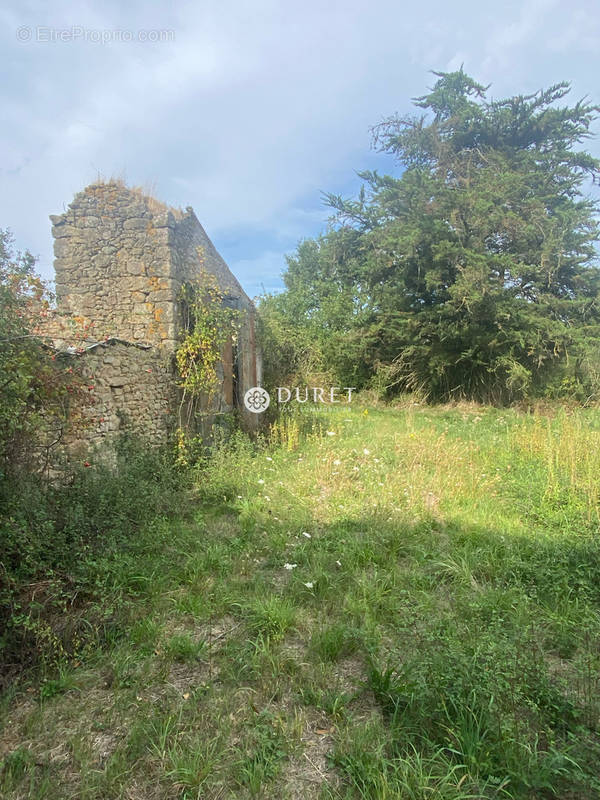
(121, 261)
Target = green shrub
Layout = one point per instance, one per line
(56, 540)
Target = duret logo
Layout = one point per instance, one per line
(257, 400)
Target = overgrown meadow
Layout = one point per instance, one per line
(382, 602)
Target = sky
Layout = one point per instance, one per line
(248, 111)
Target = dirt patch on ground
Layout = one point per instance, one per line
(186, 679)
(308, 769)
(214, 632)
(350, 673)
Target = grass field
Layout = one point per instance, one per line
(398, 603)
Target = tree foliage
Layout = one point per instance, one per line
(34, 389)
(472, 272)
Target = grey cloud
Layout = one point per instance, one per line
(254, 108)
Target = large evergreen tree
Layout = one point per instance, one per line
(472, 273)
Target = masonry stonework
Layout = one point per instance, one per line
(121, 261)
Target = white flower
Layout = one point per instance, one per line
(337, 462)
(260, 480)
(365, 451)
(308, 536)
(309, 584)
(339, 563)
(267, 498)
(239, 497)
(290, 566)
(269, 458)
(330, 433)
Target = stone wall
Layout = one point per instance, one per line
(113, 264)
(121, 260)
(193, 252)
(131, 389)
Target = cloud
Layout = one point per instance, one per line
(254, 108)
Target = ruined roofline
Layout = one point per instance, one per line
(181, 224)
(145, 195)
(214, 261)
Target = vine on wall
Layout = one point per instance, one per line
(208, 324)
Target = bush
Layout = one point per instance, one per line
(52, 538)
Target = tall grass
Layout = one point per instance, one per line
(61, 543)
(380, 603)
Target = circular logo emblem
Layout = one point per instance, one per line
(257, 400)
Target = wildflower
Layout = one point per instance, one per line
(309, 584)
(330, 433)
(260, 480)
(337, 462)
(269, 458)
(289, 567)
(338, 563)
(267, 498)
(308, 536)
(86, 464)
(239, 497)
(365, 451)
